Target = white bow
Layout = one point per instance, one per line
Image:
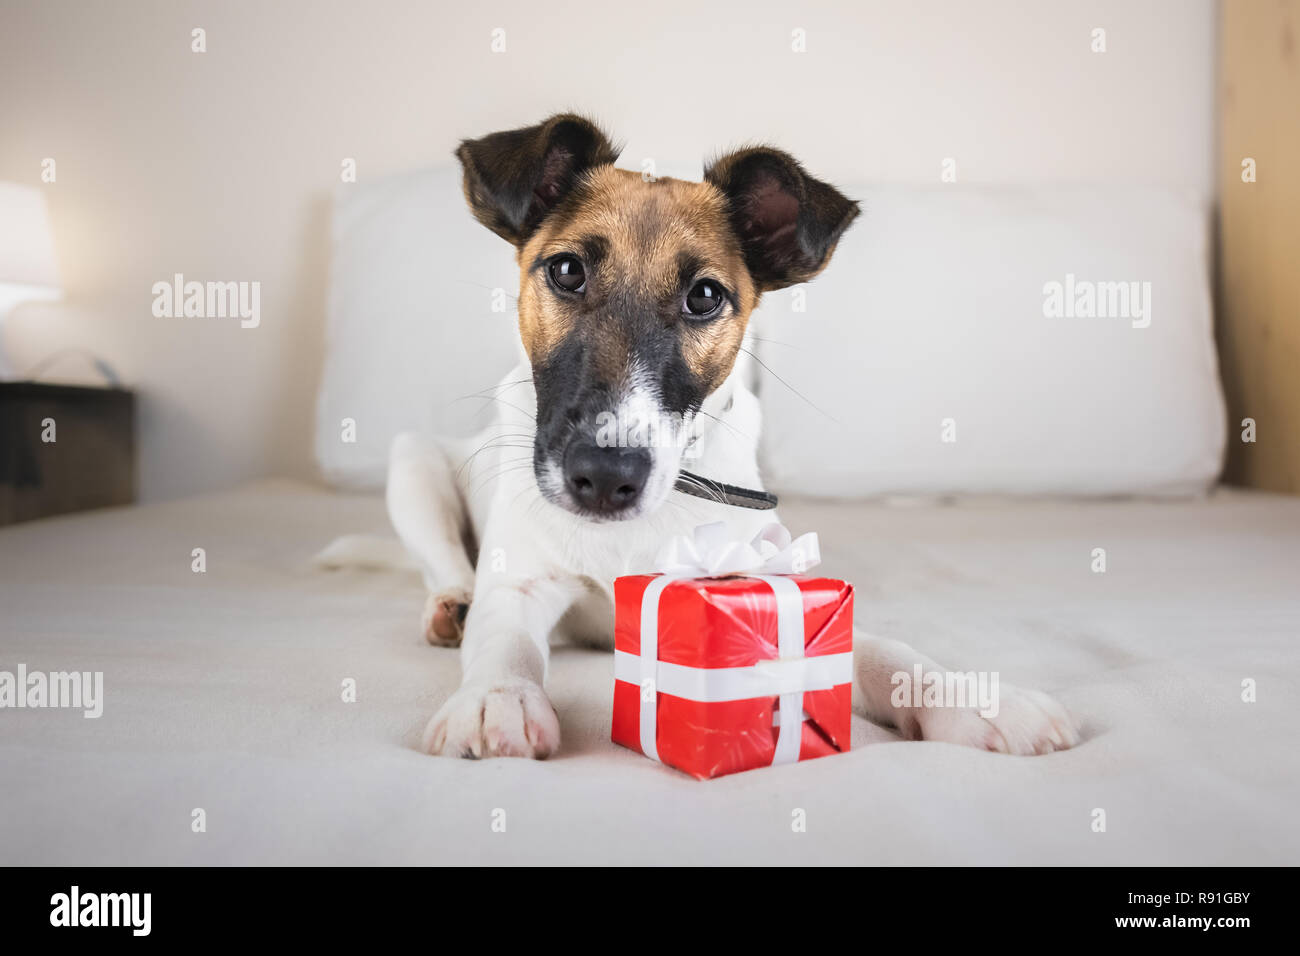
(710, 553)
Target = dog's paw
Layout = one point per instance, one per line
(1027, 722)
(443, 619)
(513, 718)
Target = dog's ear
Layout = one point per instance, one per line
(788, 223)
(515, 177)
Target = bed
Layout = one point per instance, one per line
(224, 692)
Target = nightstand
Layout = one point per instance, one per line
(64, 448)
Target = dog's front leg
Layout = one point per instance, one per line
(500, 709)
(1025, 721)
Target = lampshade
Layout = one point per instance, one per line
(27, 265)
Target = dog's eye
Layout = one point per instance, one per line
(705, 298)
(568, 274)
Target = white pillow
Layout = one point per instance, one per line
(421, 314)
(931, 319)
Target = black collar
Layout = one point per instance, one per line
(693, 484)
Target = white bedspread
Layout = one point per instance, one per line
(223, 692)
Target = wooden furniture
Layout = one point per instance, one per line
(90, 461)
(1259, 255)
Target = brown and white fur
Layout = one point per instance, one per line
(521, 531)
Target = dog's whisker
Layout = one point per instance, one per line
(490, 484)
(493, 479)
(804, 398)
(496, 441)
(490, 288)
(519, 494)
(492, 391)
(789, 345)
(522, 411)
(491, 445)
(489, 400)
(513, 460)
(734, 430)
(712, 493)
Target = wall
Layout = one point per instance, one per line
(218, 165)
(1259, 327)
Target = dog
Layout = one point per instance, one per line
(634, 299)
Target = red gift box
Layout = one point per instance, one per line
(737, 672)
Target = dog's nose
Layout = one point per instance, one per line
(605, 480)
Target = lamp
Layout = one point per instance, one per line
(27, 268)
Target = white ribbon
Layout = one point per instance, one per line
(790, 646)
(710, 553)
(711, 685)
